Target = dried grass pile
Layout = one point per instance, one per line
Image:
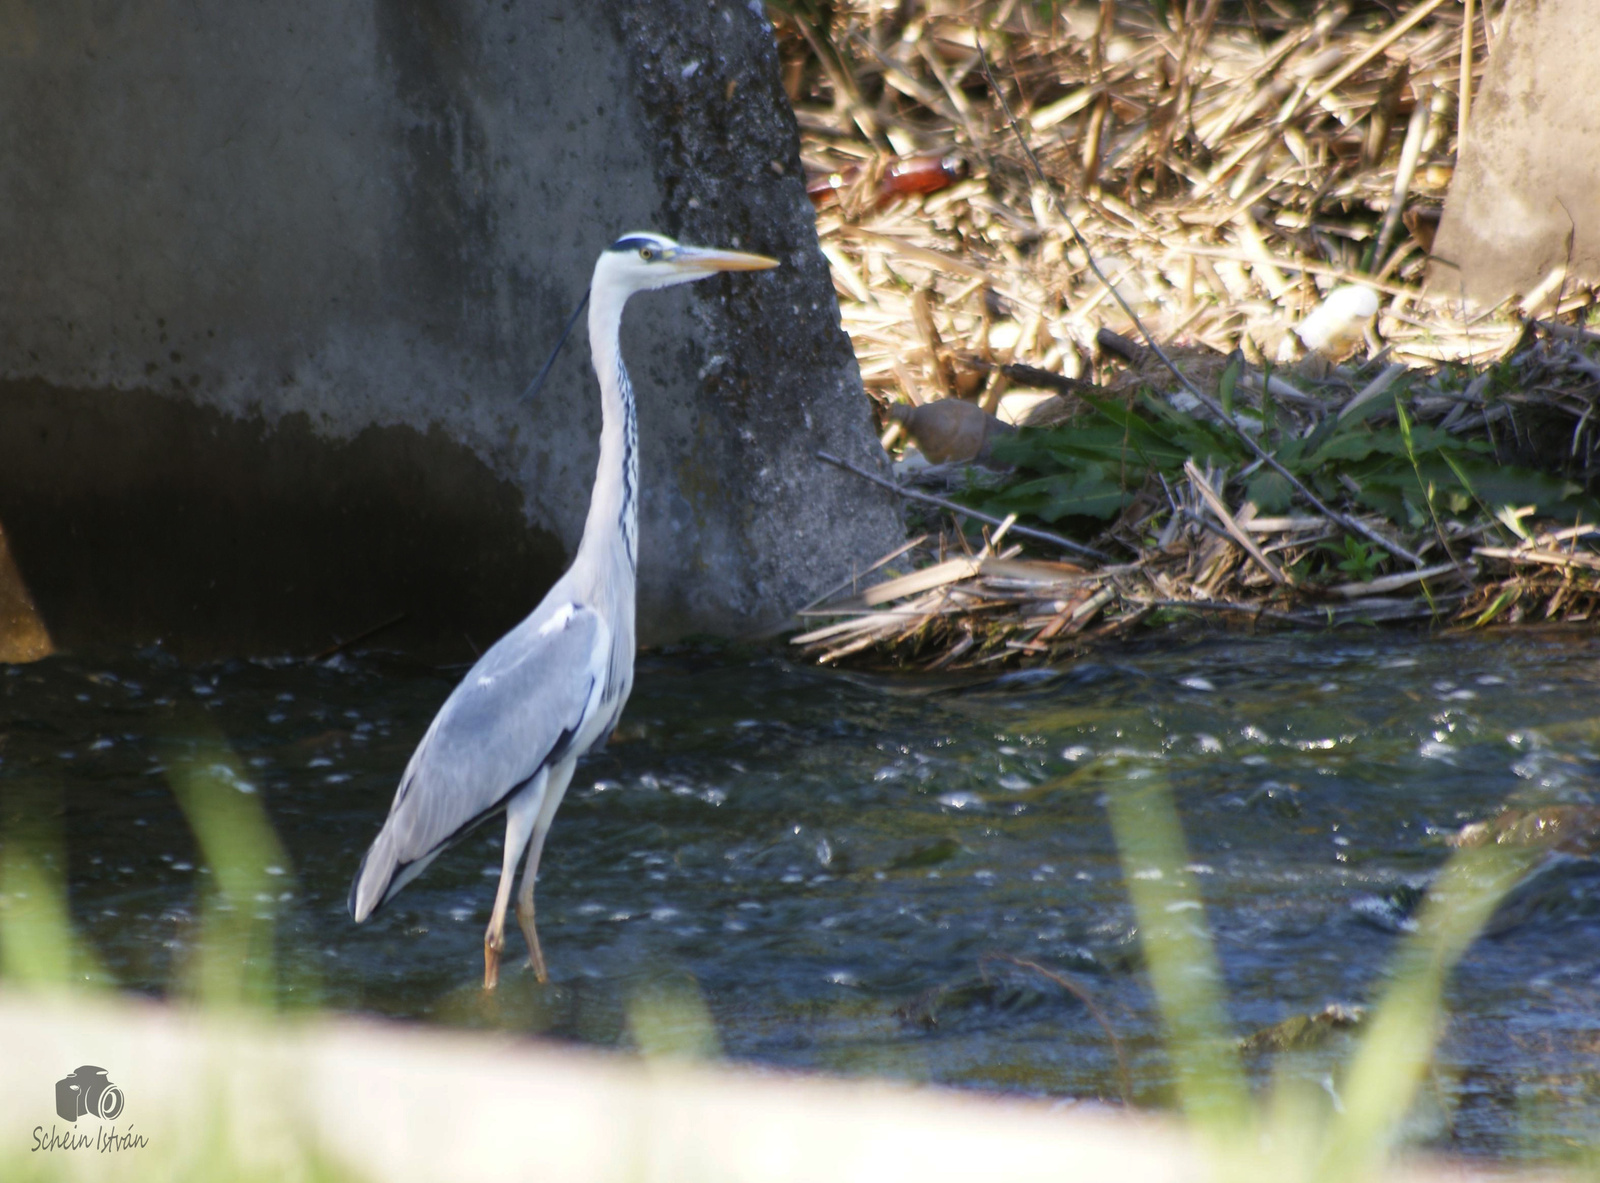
(1228, 165)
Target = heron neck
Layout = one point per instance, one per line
(610, 534)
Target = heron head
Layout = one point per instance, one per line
(641, 261)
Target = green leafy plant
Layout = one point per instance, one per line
(1413, 474)
(1358, 560)
(1094, 466)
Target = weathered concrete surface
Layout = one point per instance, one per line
(275, 275)
(1528, 177)
(229, 1095)
(400, 1104)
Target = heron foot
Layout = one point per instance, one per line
(535, 954)
(491, 962)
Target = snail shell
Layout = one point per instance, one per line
(950, 431)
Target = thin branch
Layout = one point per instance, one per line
(339, 647)
(1227, 606)
(1124, 1080)
(957, 507)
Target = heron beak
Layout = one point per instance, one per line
(703, 259)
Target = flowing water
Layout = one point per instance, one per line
(836, 868)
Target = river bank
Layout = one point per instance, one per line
(1226, 181)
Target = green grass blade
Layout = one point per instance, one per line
(1179, 955)
(234, 963)
(1382, 1081)
(38, 945)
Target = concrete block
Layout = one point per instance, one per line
(225, 1095)
(218, 1099)
(1528, 178)
(276, 274)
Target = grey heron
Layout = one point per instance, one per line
(551, 689)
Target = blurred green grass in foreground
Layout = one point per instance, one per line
(230, 968)
(1297, 1132)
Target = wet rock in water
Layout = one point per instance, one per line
(931, 854)
(1562, 887)
(1394, 911)
(1304, 1032)
(1574, 829)
(1280, 798)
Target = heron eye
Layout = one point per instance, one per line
(647, 253)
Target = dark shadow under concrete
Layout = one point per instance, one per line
(134, 517)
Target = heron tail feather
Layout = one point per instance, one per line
(370, 888)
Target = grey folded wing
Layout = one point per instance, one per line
(519, 709)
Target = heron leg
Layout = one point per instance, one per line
(521, 814)
(556, 788)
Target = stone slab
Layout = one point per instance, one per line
(231, 1096)
(1528, 177)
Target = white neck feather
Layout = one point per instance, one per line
(610, 533)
